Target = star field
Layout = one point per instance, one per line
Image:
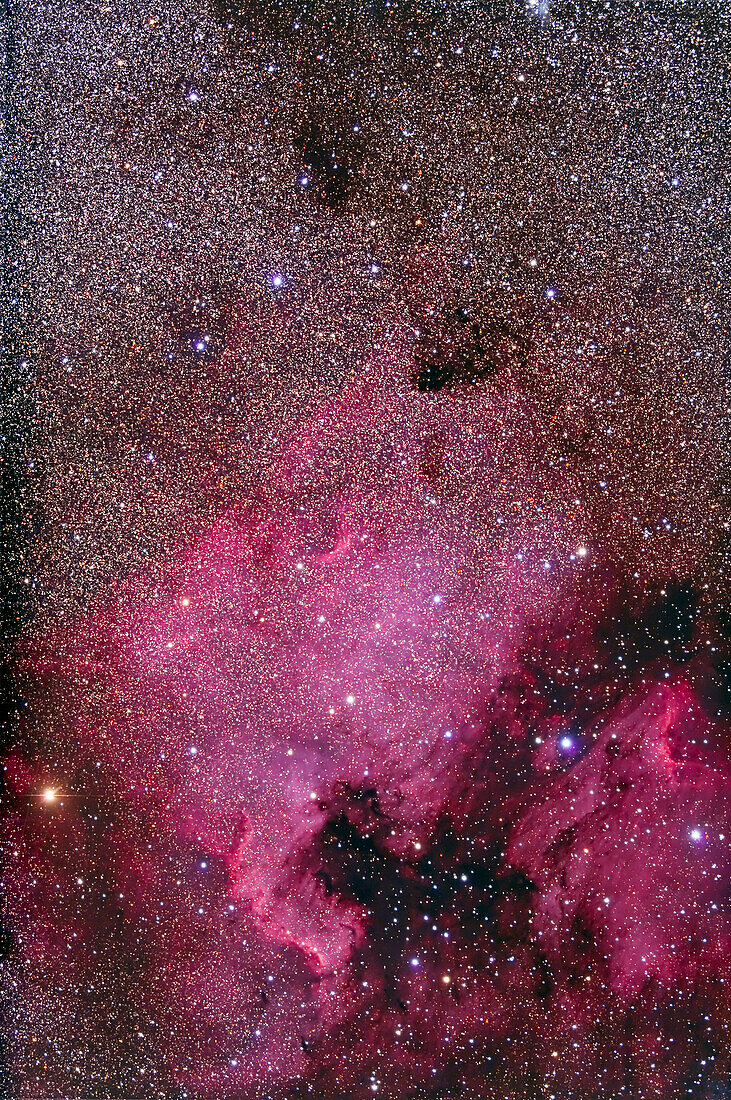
(367, 622)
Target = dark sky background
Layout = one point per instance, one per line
(366, 515)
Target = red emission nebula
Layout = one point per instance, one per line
(355, 788)
(370, 729)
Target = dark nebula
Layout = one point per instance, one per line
(367, 625)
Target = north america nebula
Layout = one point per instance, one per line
(367, 626)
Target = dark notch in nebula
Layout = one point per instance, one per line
(330, 162)
(457, 350)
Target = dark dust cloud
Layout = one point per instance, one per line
(367, 508)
